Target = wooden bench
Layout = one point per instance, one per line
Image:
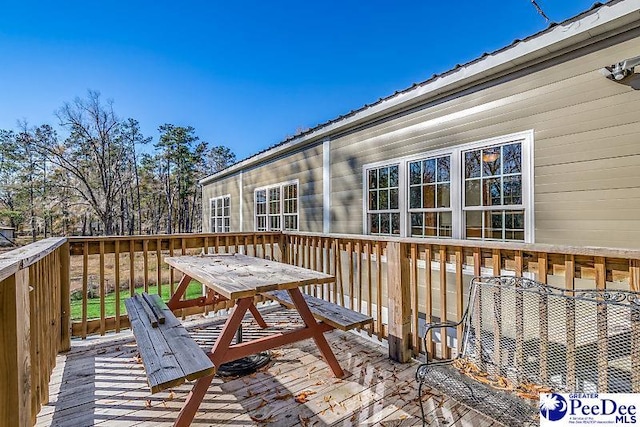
(332, 314)
(169, 354)
(521, 338)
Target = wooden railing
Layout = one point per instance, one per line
(106, 270)
(420, 280)
(402, 283)
(34, 326)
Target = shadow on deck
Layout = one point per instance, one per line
(102, 382)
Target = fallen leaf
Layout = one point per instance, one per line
(327, 398)
(283, 396)
(147, 403)
(304, 422)
(261, 404)
(302, 397)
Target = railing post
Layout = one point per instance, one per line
(65, 297)
(15, 357)
(398, 284)
(284, 248)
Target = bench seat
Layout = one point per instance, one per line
(332, 314)
(169, 355)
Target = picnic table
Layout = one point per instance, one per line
(238, 278)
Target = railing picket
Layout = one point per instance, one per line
(159, 265)
(379, 290)
(444, 348)
(413, 279)
(102, 289)
(132, 270)
(477, 272)
(358, 305)
(116, 264)
(544, 318)
(519, 350)
(459, 297)
(428, 300)
(145, 262)
(602, 326)
(496, 260)
(569, 276)
(634, 285)
(85, 287)
(172, 285)
(351, 272)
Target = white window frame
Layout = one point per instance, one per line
(281, 213)
(365, 199)
(213, 217)
(526, 138)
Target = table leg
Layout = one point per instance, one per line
(194, 399)
(256, 315)
(182, 287)
(318, 333)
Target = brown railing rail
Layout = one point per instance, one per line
(34, 326)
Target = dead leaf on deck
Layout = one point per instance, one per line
(303, 397)
(327, 398)
(304, 422)
(320, 383)
(250, 393)
(171, 396)
(262, 403)
(147, 403)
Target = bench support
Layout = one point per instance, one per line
(223, 351)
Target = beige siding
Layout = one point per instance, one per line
(586, 139)
(306, 167)
(230, 186)
(586, 149)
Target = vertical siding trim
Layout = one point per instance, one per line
(326, 186)
(241, 204)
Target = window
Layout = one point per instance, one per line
(383, 202)
(276, 206)
(482, 190)
(220, 214)
(493, 207)
(430, 197)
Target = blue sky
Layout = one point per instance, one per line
(245, 74)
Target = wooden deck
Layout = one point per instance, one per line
(102, 382)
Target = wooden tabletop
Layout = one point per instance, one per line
(238, 276)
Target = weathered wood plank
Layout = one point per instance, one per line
(170, 356)
(237, 276)
(333, 314)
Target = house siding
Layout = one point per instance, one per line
(586, 147)
(304, 166)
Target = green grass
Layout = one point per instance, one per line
(93, 304)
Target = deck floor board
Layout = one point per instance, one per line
(102, 383)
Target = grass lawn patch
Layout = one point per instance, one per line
(93, 304)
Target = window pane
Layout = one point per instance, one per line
(445, 224)
(472, 193)
(384, 224)
(395, 223)
(393, 199)
(415, 197)
(429, 196)
(514, 225)
(416, 224)
(393, 176)
(444, 195)
(512, 158)
(431, 224)
(491, 161)
(383, 199)
(493, 221)
(492, 192)
(443, 169)
(512, 190)
(373, 200)
(373, 178)
(473, 220)
(374, 220)
(429, 170)
(414, 173)
(472, 164)
(274, 222)
(383, 178)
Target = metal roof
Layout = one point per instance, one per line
(513, 54)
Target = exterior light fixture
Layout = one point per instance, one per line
(621, 70)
